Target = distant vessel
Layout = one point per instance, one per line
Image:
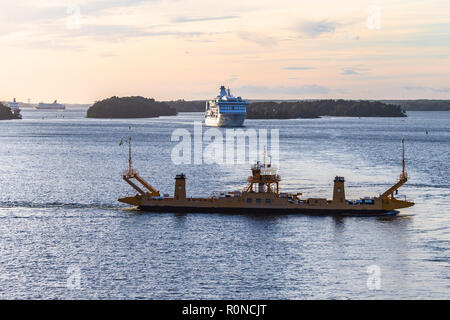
(51, 106)
(14, 106)
(226, 110)
(262, 196)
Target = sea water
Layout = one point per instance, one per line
(63, 235)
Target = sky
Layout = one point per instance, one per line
(82, 51)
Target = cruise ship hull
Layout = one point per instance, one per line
(50, 108)
(226, 120)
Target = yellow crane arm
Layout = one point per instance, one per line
(391, 190)
(131, 173)
(153, 191)
(403, 176)
(131, 183)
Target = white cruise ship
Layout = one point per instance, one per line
(51, 106)
(226, 110)
(14, 106)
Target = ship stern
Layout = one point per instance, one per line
(231, 120)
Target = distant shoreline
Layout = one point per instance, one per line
(198, 105)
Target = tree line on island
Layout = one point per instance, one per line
(139, 107)
(318, 108)
(130, 107)
(421, 104)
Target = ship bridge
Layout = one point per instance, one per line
(14, 105)
(227, 103)
(264, 178)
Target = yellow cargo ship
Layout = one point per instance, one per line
(262, 196)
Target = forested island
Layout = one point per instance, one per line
(130, 107)
(6, 113)
(139, 107)
(305, 109)
(421, 104)
(318, 108)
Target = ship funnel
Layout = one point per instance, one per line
(223, 91)
(339, 190)
(180, 187)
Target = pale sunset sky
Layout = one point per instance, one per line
(81, 51)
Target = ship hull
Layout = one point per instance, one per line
(226, 120)
(267, 211)
(50, 108)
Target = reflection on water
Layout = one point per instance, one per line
(61, 178)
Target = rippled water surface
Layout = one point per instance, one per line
(60, 219)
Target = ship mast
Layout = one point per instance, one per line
(130, 163)
(264, 178)
(132, 174)
(401, 181)
(403, 157)
(265, 152)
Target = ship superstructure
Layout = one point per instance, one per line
(51, 106)
(226, 110)
(262, 196)
(14, 106)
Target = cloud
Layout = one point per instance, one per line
(198, 19)
(113, 32)
(118, 32)
(299, 68)
(349, 36)
(26, 15)
(99, 6)
(260, 39)
(21, 11)
(415, 88)
(350, 71)
(423, 88)
(55, 45)
(314, 29)
(291, 90)
(108, 31)
(441, 89)
(232, 78)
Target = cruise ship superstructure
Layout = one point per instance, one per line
(51, 106)
(226, 110)
(14, 106)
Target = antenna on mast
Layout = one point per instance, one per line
(130, 162)
(265, 152)
(403, 156)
